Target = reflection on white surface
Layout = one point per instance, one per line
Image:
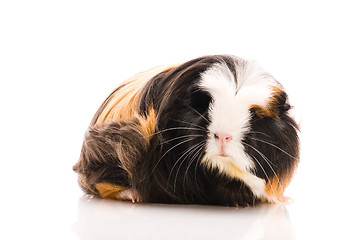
(107, 219)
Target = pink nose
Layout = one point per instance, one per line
(223, 137)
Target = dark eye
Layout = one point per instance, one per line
(200, 101)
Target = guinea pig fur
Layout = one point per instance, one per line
(214, 130)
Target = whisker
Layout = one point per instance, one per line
(171, 129)
(187, 152)
(273, 145)
(198, 163)
(267, 161)
(191, 152)
(256, 132)
(189, 107)
(192, 124)
(173, 139)
(263, 156)
(175, 128)
(178, 144)
(197, 152)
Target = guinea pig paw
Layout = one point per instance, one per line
(284, 199)
(130, 194)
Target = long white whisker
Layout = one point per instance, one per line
(264, 157)
(267, 161)
(198, 151)
(275, 146)
(184, 156)
(178, 144)
(180, 158)
(175, 128)
(185, 136)
(192, 124)
(194, 148)
(189, 107)
(198, 163)
(256, 132)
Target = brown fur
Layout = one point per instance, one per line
(111, 152)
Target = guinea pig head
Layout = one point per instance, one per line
(229, 116)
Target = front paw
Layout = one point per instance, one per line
(130, 194)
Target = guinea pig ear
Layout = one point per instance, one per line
(276, 106)
(283, 105)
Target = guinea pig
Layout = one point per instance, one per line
(214, 130)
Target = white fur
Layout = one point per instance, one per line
(229, 114)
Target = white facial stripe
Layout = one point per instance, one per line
(218, 81)
(229, 114)
(229, 111)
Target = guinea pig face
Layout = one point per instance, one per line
(230, 115)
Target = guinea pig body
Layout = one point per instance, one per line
(214, 130)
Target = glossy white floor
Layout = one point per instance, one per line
(60, 60)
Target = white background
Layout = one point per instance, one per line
(60, 59)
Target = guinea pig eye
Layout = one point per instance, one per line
(200, 101)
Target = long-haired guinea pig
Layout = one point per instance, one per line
(214, 130)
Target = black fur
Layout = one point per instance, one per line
(273, 143)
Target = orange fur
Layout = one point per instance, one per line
(122, 103)
(108, 190)
(147, 124)
(277, 186)
(270, 110)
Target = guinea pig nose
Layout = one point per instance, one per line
(223, 137)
